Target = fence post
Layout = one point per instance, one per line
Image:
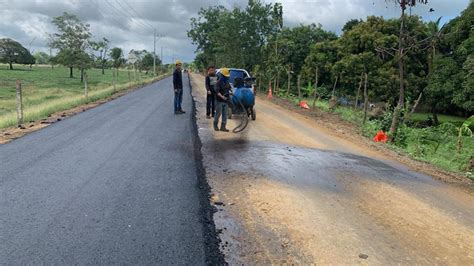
(134, 74)
(19, 103)
(113, 77)
(86, 91)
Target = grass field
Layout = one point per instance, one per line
(47, 90)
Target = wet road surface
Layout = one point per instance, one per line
(287, 191)
(115, 184)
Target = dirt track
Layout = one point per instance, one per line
(289, 191)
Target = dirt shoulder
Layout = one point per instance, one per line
(12, 133)
(291, 190)
(348, 131)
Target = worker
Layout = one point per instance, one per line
(178, 88)
(211, 80)
(222, 97)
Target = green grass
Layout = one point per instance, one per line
(417, 117)
(47, 90)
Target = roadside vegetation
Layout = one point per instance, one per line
(440, 145)
(81, 70)
(46, 90)
(411, 78)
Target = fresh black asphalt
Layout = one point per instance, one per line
(115, 184)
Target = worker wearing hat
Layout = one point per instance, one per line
(178, 88)
(222, 97)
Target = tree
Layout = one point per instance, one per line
(235, 37)
(116, 54)
(443, 81)
(42, 58)
(101, 47)
(351, 24)
(146, 61)
(321, 58)
(459, 44)
(400, 58)
(72, 42)
(435, 33)
(13, 52)
(201, 61)
(465, 98)
(296, 42)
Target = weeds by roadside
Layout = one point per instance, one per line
(446, 145)
(49, 90)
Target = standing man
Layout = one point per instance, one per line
(211, 80)
(178, 88)
(222, 96)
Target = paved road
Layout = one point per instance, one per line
(115, 184)
(290, 191)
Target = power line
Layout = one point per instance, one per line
(136, 13)
(131, 16)
(117, 11)
(97, 5)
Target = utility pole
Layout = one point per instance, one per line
(154, 50)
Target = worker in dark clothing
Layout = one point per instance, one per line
(178, 88)
(211, 80)
(223, 91)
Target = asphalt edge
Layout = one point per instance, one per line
(213, 254)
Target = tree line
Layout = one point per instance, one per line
(76, 49)
(401, 62)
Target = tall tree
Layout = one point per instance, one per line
(72, 41)
(235, 37)
(351, 24)
(146, 61)
(443, 81)
(101, 47)
(400, 58)
(13, 52)
(116, 54)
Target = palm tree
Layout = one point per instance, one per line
(435, 33)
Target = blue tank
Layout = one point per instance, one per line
(244, 96)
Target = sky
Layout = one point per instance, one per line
(129, 24)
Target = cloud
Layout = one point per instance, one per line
(332, 15)
(130, 24)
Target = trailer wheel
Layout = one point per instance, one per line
(254, 114)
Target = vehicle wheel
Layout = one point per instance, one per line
(254, 114)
